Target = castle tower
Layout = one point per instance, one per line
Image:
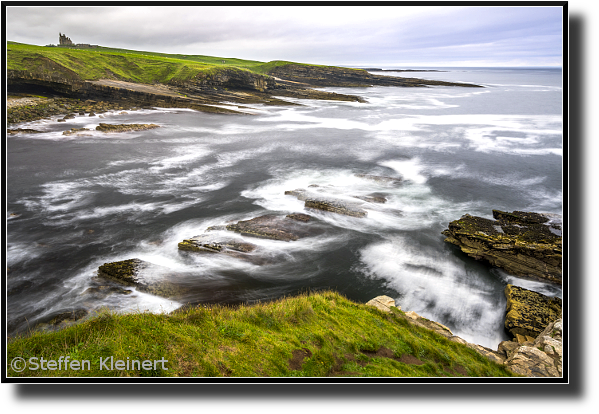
(63, 40)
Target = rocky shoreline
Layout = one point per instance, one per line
(225, 91)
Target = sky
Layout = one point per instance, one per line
(359, 36)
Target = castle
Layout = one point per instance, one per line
(63, 40)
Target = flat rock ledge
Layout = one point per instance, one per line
(124, 127)
(522, 243)
(541, 357)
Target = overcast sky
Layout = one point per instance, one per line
(377, 36)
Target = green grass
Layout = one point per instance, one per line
(124, 64)
(256, 340)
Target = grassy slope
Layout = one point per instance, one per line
(130, 65)
(255, 341)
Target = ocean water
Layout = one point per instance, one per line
(76, 202)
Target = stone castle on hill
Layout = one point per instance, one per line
(63, 40)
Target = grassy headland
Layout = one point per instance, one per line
(124, 64)
(314, 335)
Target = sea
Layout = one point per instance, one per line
(75, 202)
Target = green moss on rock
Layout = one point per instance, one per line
(528, 312)
(518, 242)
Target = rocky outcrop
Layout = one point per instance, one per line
(380, 178)
(542, 357)
(528, 312)
(124, 127)
(76, 131)
(336, 76)
(522, 243)
(384, 303)
(23, 131)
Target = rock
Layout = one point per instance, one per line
(91, 114)
(334, 205)
(518, 242)
(81, 113)
(273, 227)
(61, 120)
(528, 312)
(124, 127)
(428, 324)
(542, 358)
(383, 303)
(60, 320)
(144, 276)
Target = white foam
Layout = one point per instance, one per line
(435, 285)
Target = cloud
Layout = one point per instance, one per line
(328, 35)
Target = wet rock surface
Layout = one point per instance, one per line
(23, 131)
(522, 243)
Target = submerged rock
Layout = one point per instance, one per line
(524, 244)
(380, 178)
(144, 276)
(528, 312)
(124, 127)
(75, 131)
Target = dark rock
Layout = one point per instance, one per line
(92, 114)
(528, 312)
(73, 315)
(61, 120)
(515, 242)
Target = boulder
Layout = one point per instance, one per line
(528, 312)
(383, 303)
(542, 358)
(144, 276)
(522, 243)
